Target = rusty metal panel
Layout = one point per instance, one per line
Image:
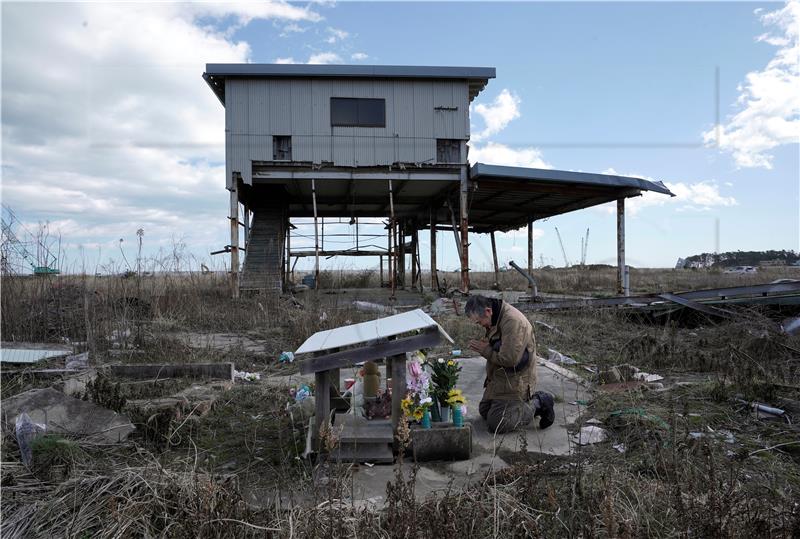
(237, 102)
(280, 107)
(302, 108)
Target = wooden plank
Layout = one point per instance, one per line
(398, 389)
(322, 403)
(381, 350)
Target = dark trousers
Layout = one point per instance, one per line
(505, 416)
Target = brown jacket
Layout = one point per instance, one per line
(508, 340)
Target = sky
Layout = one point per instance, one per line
(108, 128)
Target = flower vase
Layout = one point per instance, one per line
(426, 419)
(435, 412)
(445, 413)
(458, 416)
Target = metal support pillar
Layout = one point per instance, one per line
(496, 266)
(530, 250)
(316, 235)
(464, 222)
(380, 262)
(391, 258)
(434, 275)
(401, 253)
(234, 219)
(620, 246)
(288, 252)
(414, 274)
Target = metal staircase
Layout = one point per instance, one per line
(264, 254)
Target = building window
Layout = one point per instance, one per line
(448, 150)
(281, 148)
(358, 112)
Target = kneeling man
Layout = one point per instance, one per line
(509, 400)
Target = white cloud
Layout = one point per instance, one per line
(493, 153)
(701, 196)
(292, 28)
(120, 131)
(497, 115)
(287, 60)
(769, 100)
(335, 34)
(359, 56)
(325, 58)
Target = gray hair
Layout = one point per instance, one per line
(476, 305)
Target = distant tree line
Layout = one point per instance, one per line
(741, 258)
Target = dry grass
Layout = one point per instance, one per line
(194, 478)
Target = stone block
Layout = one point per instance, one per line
(442, 441)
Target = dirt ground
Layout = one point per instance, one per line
(685, 455)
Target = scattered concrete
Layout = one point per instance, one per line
(223, 341)
(67, 415)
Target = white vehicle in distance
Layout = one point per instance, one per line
(742, 270)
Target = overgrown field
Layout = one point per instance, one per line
(687, 460)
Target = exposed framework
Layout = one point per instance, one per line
(487, 200)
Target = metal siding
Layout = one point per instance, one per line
(405, 149)
(260, 147)
(343, 142)
(238, 102)
(384, 150)
(322, 146)
(280, 107)
(302, 108)
(425, 150)
(240, 157)
(321, 103)
(228, 161)
(385, 90)
(443, 119)
(404, 109)
(302, 148)
(258, 107)
(461, 100)
(343, 151)
(423, 109)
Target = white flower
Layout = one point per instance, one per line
(441, 360)
(426, 400)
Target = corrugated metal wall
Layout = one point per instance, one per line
(417, 113)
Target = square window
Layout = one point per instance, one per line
(448, 150)
(281, 148)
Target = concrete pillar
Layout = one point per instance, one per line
(464, 226)
(434, 275)
(316, 234)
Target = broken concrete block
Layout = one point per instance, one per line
(63, 414)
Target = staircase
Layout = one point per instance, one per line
(264, 255)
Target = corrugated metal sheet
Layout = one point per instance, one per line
(23, 355)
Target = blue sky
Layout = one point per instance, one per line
(623, 87)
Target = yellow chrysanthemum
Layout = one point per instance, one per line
(418, 414)
(451, 362)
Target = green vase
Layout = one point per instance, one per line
(458, 416)
(426, 419)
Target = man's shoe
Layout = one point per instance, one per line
(544, 403)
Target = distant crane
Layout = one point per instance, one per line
(563, 251)
(584, 247)
(44, 263)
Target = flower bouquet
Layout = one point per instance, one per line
(444, 375)
(457, 401)
(416, 405)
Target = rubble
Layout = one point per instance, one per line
(62, 414)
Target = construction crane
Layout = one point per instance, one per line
(563, 251)
(584, 247)
(43, 264)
